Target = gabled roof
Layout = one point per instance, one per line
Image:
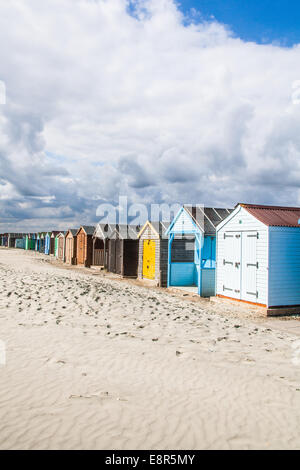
(89, 229)
(206, 219)
(54, 233)
(158, 227)
(275, 216)
(125, 232)
(104, 230)
(73, 231)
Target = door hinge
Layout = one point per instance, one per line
(253, 293)
(227, 288)
(252, 264)
(256, 235)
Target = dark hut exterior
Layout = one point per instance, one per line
(84, 254)
(123, 251)
(12, 237)
(53, 235)
(42, 242)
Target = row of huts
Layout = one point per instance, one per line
(250, 253)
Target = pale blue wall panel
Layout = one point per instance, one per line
(182, 274)
(208, 282)
(284, 266)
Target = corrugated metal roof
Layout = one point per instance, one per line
(104, 230)
(207, 218)
(274, 216)
(160, 227)
(125, 232)
(89, 229)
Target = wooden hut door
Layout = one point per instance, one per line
(249, 266)
(119, 256)
(149, 259)
(232, 264)
(80, 247)
(61, 247)
(112, 256)
(68, 250)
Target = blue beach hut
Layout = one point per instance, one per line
(47, 242)
(20, 243)
(38, 240)
(193, 267)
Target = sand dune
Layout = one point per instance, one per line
(100, 363)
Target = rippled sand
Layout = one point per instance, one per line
(100, 363)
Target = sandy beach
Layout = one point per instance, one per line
(96, 362)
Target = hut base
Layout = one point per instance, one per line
(261, 308)
(149, 282)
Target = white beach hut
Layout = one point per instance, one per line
(258, 257)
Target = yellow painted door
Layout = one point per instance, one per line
(149, 259)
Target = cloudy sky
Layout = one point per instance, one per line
(159, 102)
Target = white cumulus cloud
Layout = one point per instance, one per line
(109, 96)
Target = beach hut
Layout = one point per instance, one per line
(42, 241)
(60, 246)
(123, 250)
(12, 237)
(71, 246)
(53, 235)
(5, 240)
(37, 244)
(258, 257)
(191, 265)
(84, 254)
(153, 253)
(101, 236)
(20, 243)
(30, 240)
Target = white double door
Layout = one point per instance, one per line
(240, 265)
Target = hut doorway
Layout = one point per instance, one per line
(52, 246)
(130, 258)
(80, 248)
(112, 256)
(60, 247)
(69, 250)
(149, 259)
